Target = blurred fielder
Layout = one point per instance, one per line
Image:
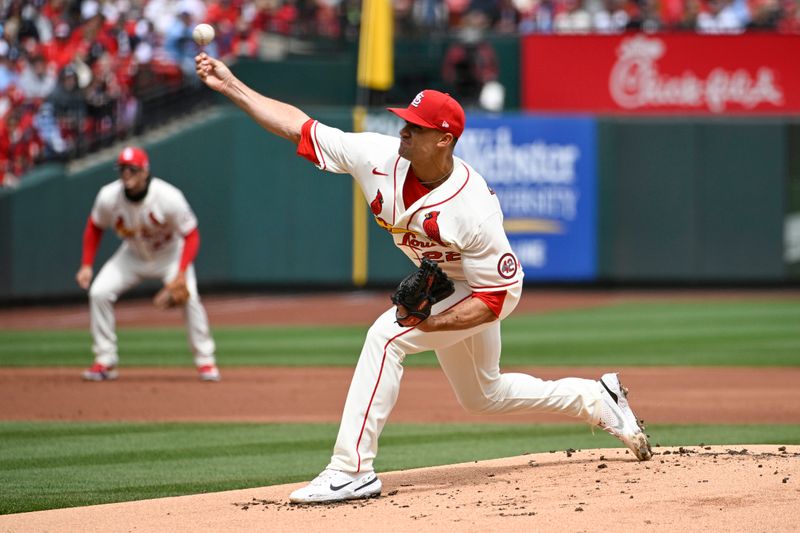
(160, 240)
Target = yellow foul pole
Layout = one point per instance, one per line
(375, 73)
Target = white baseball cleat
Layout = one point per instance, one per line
(617, 418)
(335, 486)
(209, 373)
(98, 372)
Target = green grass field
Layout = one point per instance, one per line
(51, 465)
(763, 333)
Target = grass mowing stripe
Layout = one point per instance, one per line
(730, 333)
(149, 461)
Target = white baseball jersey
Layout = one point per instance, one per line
(458, 224)
(154, 225)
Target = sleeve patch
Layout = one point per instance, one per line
(507, 266)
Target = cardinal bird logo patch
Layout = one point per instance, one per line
(377, 204)
(431, 227)
(122, 230)
(154, 220)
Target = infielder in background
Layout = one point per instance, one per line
(160, 240)
(435, 206)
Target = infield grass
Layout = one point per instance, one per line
(714, 333)
(53, 465)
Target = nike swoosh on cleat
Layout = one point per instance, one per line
(377, 172)
(334, 488)
(368, 483)
(616, 399)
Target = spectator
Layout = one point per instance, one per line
(102, 98)
(671, 12)
(430, 15)
(611, 17)
(54, 144)
(69, 108)
(245, 42)
(507, 19)
(286, 18)
(20, 145)
(720, 17)
(221, 10)
(647, 18)
(38, 79)
(470, 62)
(536, 16)
(690, 13)
(790, 17)
(63, 48)
(8, 75)
(765, 15)
(178, 43)
(572, 18)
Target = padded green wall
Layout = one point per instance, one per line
(681, 200)
(694, 200)
(266, 216)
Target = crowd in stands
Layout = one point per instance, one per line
(75, 74)
(600, 16)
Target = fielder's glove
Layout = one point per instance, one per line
(173, 294)
(418, 291)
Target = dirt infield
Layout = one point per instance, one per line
(693, 489)
(663, 395)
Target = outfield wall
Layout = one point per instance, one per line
(689, 200)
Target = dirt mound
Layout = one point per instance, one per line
(746, 488)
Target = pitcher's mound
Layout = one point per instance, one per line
(713, 488)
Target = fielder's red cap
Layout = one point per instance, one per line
(133, 156)
(433, 109)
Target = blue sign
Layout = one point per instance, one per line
(543, 170)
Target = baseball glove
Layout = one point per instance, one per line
(418, 291)
(173, 294)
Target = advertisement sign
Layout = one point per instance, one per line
(543, 170)
(641, 73)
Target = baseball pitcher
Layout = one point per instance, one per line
(160, 240)
(442, 214)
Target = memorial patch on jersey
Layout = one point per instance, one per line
(431, 227)
(507, 266)
(377, 204)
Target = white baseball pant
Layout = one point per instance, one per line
(125, 270)
(470, 360)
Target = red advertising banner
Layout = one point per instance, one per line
(661, 73)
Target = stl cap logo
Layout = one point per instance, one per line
(417, 100)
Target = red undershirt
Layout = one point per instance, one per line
(413, 190)
(93, 233)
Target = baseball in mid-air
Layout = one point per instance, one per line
(203, 34)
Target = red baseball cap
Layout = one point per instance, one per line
(433, 109)
(133, 156)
